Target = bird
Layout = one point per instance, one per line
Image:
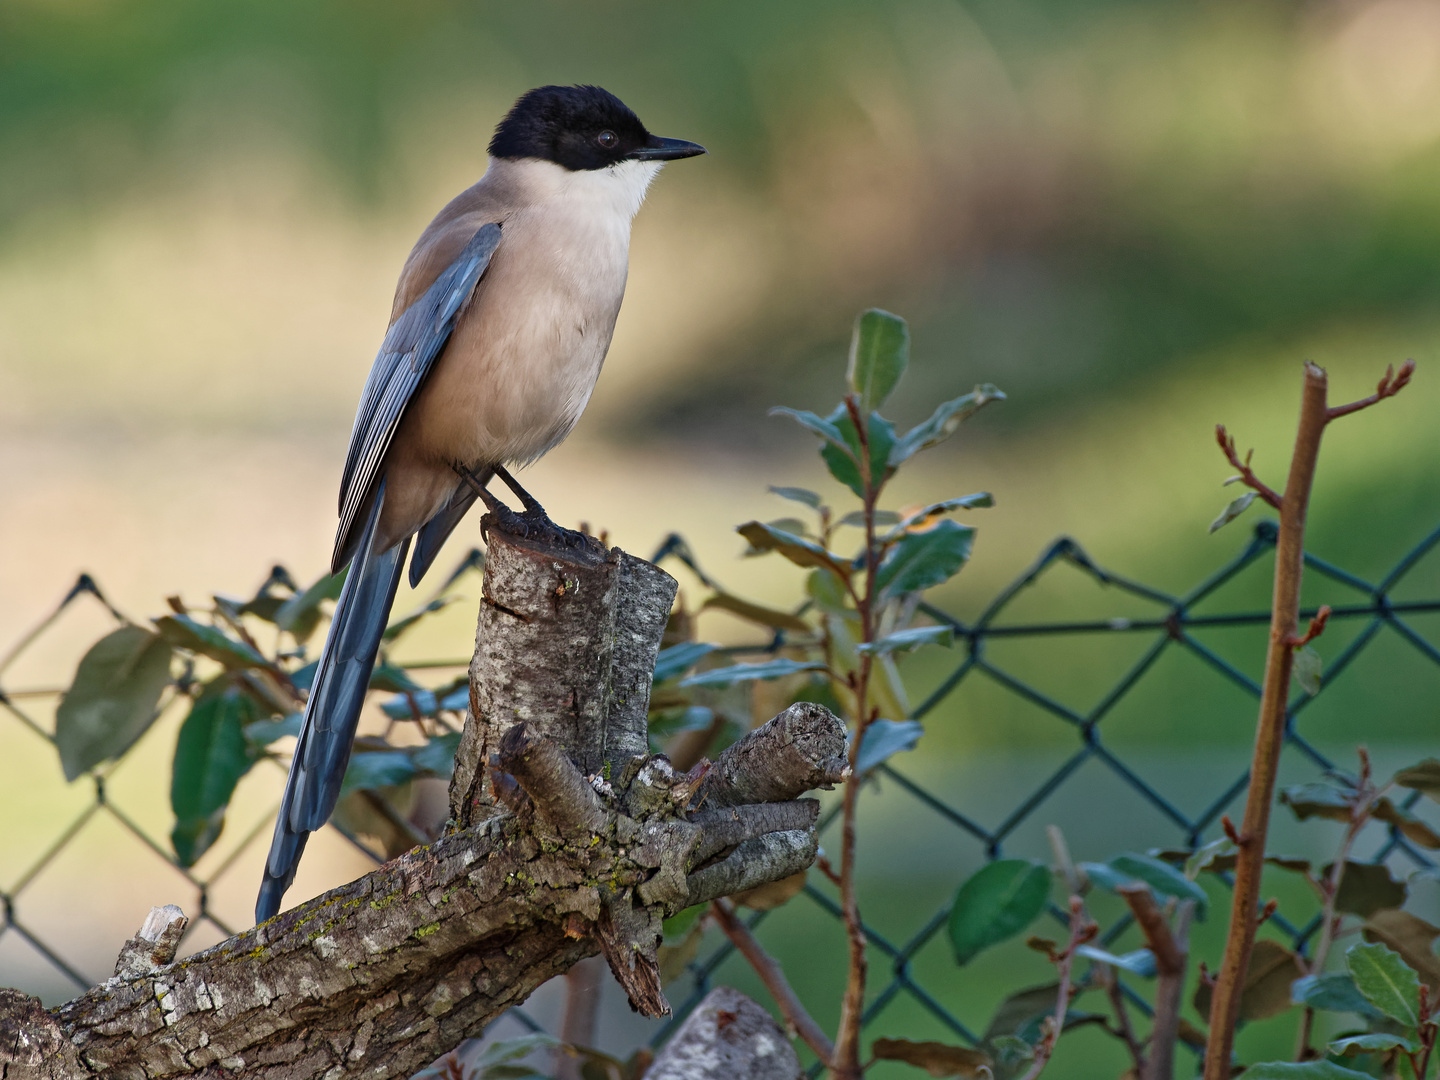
(502, 318)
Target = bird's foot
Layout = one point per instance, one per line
(535, 525)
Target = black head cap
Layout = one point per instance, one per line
(580, 127)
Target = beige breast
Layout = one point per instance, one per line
(524, 356)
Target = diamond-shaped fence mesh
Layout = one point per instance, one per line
(1203, 658)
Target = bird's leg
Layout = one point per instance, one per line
(477, 485)
(531, 504)
(505, 518)
(537, 522)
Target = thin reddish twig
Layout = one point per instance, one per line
(1390, 384)
(1317, 627)
(1247, 474)
(822, 863)
(773, 976)
(1082, 929)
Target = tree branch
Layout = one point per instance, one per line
(1270, 729)
(591, 847)
(1390, 384)
(1082, 929)
(1170, 956)
(773, 976)
(1247, 474)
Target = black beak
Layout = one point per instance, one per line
(658, 148)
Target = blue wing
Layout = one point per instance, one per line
(406, 355)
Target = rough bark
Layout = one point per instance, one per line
(566, 641)
(381, 976)
(727, 1037)
(805, 739)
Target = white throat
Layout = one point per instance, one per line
(616, 190)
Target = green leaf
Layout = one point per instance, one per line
(856, 518)
(679, 659)
(678, 925)
(1413, 829)
(884, 739)
(788, 524)
(1308, 668)
(828, 592)
(1422, 777)
(1410, 936)
(797, 549)
(192, 837)
(186, 633)
(1017, 1010)
(1366, 888)
(264, 604)
(846, 467)
(936, 1058)
(437, 757)
(1237, 507)
(393, 678)
(264, 732)
(1021, 1014)
(826, 429)
(1266, 991)
(1140, 962)
(377, 769)
(300, 614)
(1205, 856)
(1379, 1043)
(879, 354)
(1161, 877)
(674, 721)
(924, 518)
(797, 494)
(996, 903)
(756, 613)
(922, 560)
(211, 755)
(111, 701)
(1302, 1070)
(1317, 800)
(1011, 1051)
(913, 638)
(1335, 992)
(505, 1050)
(1387, 982)
(943, 423)
(407, 706)
(738, 673)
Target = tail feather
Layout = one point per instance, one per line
(336, 698)
(435, 531)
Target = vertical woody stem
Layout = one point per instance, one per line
(1289, 564)
(845, 1062)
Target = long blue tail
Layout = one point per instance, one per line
(336, 697)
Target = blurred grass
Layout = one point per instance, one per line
(1135, 218)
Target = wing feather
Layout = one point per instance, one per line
(406, 356)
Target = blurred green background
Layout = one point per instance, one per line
(1136, 218)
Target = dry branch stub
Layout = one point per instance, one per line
(565, 641)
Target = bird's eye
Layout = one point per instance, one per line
(607, 139)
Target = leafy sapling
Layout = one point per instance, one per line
(859, 617)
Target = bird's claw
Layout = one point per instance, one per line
(535, 524)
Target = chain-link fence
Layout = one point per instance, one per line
(1189, 644)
